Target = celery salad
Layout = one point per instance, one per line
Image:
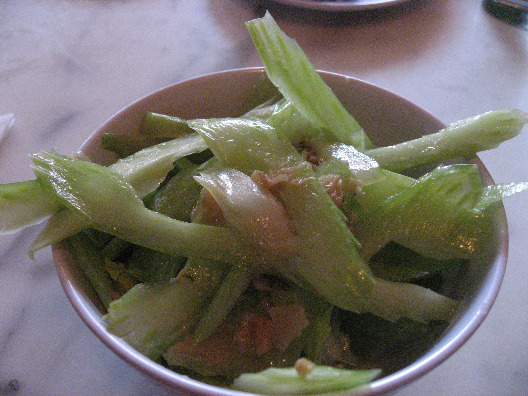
(277, 252)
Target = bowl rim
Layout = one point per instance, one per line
(448, 343)
(341, 6)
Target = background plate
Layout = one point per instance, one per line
(343, 5)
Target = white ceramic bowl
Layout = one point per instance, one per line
(388, 119)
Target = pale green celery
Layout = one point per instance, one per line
(329, 259)
(92, 265)
(176, 198)
(233, 285)
(463, 138)
(288, 381)
(252, 210)
(327, 255)
(439, 216)
(147, 168)
(125, 145)
(23, 204)
(61, 225)
(285, 117)
(290, 70)
(374, 194)
(111, 205)
(155, 124)
(316, 334)
(396, 300)
(400, 264)
(262, 95)
(497, 192)
(152, 317)
(249, 208)
(144, 170)
(243, 144)
(347, 162)
(336, 158)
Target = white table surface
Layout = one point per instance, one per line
(68, 65)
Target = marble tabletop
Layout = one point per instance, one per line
(68, 65)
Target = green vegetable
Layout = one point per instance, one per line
(299, 82)
(282, 381)
(442, 216)
(117, 210)
(463, 138)
(152, 317)
(144, 171)
(23, 204)
(329, 259)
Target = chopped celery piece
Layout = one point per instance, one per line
(299, 82)
(327, 255)
(463, 138)
(152, 317)
(233, 285)
(149, 265)
(111, 205)
(396, 300)
(374, 194)
(164, 126)
(292, 381)
(263, 94)
(229, 137)
(316, 334)
(400, 264)
(250, 208)
(347, 162)
(438, 216)
(23, 204)
(177, 197)
(497, 192)
(144, 171)
(285, 117)
(61, 225)
(91, 263)
(147, 168)
(126, 145)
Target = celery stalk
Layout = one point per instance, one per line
(289, 381)
(111, 205)
(327, 255)
(233, 285)
(91, 263)
(161, 125)
(243, 144)
(250, 208)
(396, 300)
(23, 204)
(463, 138)
(290, 70)
(152, 317)
(441, 216)
(144, 170)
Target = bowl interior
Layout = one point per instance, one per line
(388, 119)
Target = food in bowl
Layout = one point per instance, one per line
(282, 237)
